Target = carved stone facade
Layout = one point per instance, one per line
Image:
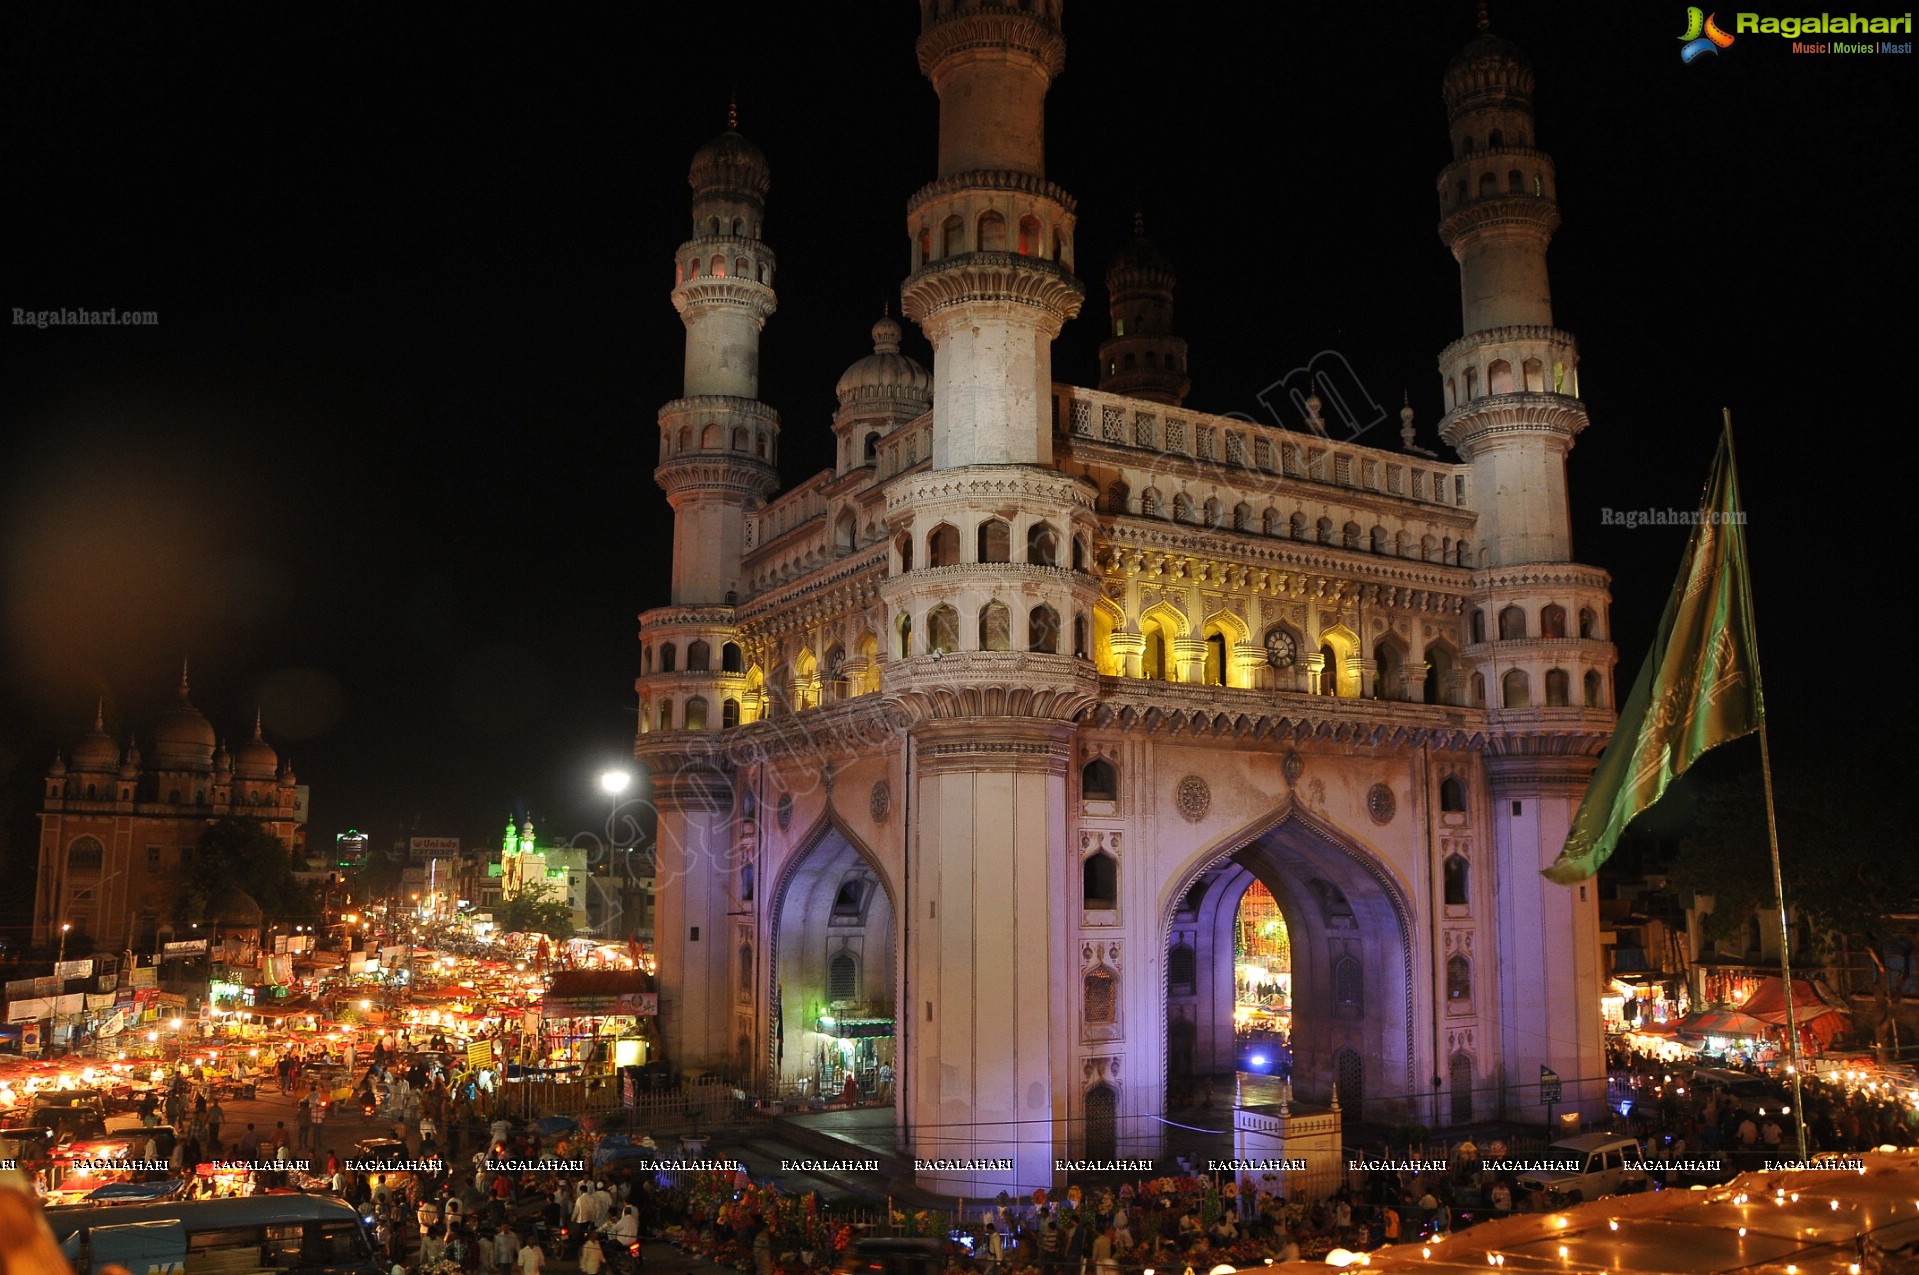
(1042, 678)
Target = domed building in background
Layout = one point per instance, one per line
(117, 824)
(1062, 755)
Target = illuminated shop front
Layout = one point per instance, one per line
(856, 1049)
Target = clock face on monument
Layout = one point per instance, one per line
(1280, 649)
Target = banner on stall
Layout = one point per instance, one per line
(30, 1038)
(479, 1053)
(73, 969)
(145, 976)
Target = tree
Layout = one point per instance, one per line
(538, 908)
(239, 852)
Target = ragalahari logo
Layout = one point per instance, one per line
(1702, 36)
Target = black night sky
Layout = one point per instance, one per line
(384, 466)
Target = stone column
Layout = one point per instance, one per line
(694, 871)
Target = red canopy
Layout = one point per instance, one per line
(1809, 1001)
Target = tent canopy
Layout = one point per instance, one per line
(1809, 1001)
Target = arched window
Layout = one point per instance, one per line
(851, 898)
(871, 450)
(729, 714)
(1349, 1079)
(1242, 517)
(1079, 553)
(1552, 621)
(1079, 637)
(1182, 507)
(1381, 541)
(995, 541)
(1558, 688)
(1042, 630)
(1214, 672)
(1102, 1123)
(730, 661)
(1499, 377)
(1488, 185)
(669, 657)
(1328, 670)
(1182, 969)
(1349, 988)
(1439, 675)
(1459, 1079)
(1389, 672)
(718, 266)
(696, 713)
(1032, 237)
(992, 232)
(942, 629)
(905, 634)
(666, 714)
(1458, 881)
(747, 875)
(904, 547)
(1099, 781)
(926, 245)
(995, 627)
(1101, 1004)
(1298, 527)
(1479, 690)
(1350, 535)
(746, 965)
(1477, 626)
(1150, 504)
(1042, 545)
(1515, 689)
(85, 857)
(1512, 624)
(1212, 516)
(698, 655)
(942, 546)
(845, 531)
(1271, 523)
(952, 237)
(1099, 882)
(1515, 182)
(1595, 689)
(1494, 140)
(1452, 796)
(1325, 530)
(1459, 978)
(1588, 623)
(843, 977)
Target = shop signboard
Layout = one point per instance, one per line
(30, 1038)
(73, 969)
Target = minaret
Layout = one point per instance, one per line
(1539, 658)
(992, 277)
(718, 442)
(990, 595)
(1142, 358)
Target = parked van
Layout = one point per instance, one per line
(1596, 1164)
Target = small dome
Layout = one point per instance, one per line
(130, 764)
(1489, 66)
(235, 907)
(729, 164)
(97, 752)
(183, 738)
(59, 766)
(222, 761)
(885, 373)
(256, 758)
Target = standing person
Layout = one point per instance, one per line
(532, 1259)
(1104, 1262)
(592, 1257)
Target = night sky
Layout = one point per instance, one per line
(384, 467)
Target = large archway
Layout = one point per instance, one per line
(1351, 992)
(834, 969)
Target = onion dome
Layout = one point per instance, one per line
(1140, 253)
(130, 763)
(59, 766)
(183, 738)
(233, 906)
(97, 751)
(256, 758)
(729, 165)
(222, 763)
(1488, 71)
(886, 373)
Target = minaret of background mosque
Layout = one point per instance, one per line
(718, 448)
(1539, 653)
(990, 704)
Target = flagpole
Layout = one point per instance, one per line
(1796, 1064)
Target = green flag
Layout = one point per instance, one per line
(1699, 686)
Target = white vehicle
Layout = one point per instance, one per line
(1596, 1164)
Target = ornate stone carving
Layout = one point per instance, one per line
(1380, 803)
(784, 811)
(1292, 766)
(881, 802)
(1193, 798)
